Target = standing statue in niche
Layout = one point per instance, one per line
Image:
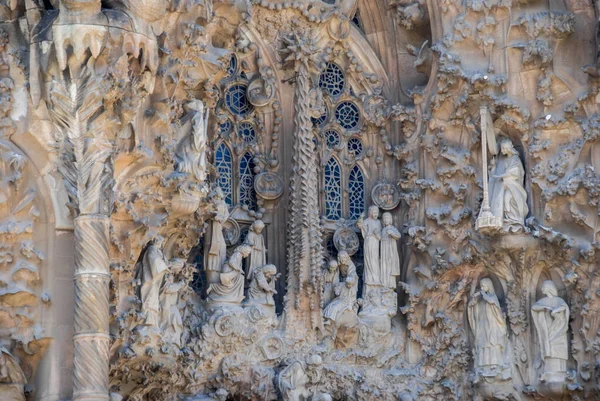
(171, 322)
(371, 232)
(551, 318)
(230, 287)
(489, 328)
(258, 256)
(191, 156)
(262, 287)
(149, 276)
(390, 260)
(12, 378)
(217, 252)
(508, 198)
(331, 276)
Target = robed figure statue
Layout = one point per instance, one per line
(551, 318)
(217, 253)
(230, 287)
(489, 329)
(149, 276)
(371, 232)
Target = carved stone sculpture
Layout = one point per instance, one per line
(488, 325)
(262, 287)
(191, 155)
(217, 252)
(12, 378)
(331, 276)
(258, 256)
(551, 318)
(390, 260)
(371, 232)
(149, 275)
(171, 322)
(230, 288)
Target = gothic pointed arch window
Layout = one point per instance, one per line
(356, 192)
(246, 186)
(224, 166)
(333, 190)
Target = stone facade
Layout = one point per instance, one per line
(299, 200)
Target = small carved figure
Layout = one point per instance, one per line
(551, 318)
(262, 287)
(331, 276)
(218, 247)
(345, 290)
(508, 198)
(258, 256)
(171, 322)
(489, 328)
(371, 232)
(191, 156)
(390, 260)
(149, 276)
(230, 287)
(12, 378)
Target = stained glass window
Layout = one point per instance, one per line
(347, 115)
(197, 283)
(332, 138)
(236, 100)
(356, 21)
(332, 80)
(333, 190)
(224, 167)
(225, 127)
(247, 193)
(319, 122)
(356, 191)
(232, 65)
(247, 132)
(355, 146)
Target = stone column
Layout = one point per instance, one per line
(91, 338)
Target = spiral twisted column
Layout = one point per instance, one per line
(91, 339)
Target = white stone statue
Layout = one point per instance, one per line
(508, 198)
(12, 378)
(217, 252)
(258, 256)
(331, 276)
(371, 232)
(230, 287)
(171, 322)
(345, 290)
(390, 259)
(149, 276)
(551, 318)
(191, 156)
(488, 324)
(262, 287)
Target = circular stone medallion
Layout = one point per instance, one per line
(386, 196)
(346, 239)
(268, 185)
(231, 232)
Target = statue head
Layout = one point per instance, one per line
(549, 288)
(258, 226)
(332, 265)
(219, 193)
(244, 250)
(486, 285)
(374, 212)
(197, 105)
(158, 240)
(343, 257)
(507, 148)
(387, 219)
(269, 270)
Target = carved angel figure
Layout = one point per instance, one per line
(508, 198)
(489, 328)
(217, 252)
(230, 287)
(262, 287)
(345, 291)
(371, 232)
(171, 322)
(191, 155)
(258, 256)
(149, 276)
(390, 260)
(551, 318)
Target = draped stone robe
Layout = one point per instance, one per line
(390, 259)
(150, 274)
(258, 256)
(551, 318)
(508, 198)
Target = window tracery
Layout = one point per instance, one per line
(247, 194)
(333, 190)
(224, 166)
(356, 192)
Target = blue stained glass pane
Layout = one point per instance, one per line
(197, 281)
(356, 191)
(332, 138)
(356, 20)
(332, 80)
(224, 166)
(225, 127)
(319, 122)
(247, 132)
(232, 66)
(236, 100)
(333, 190)
(247, 193)
(355, 146)
(347, 115)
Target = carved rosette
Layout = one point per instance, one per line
(91, 339)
